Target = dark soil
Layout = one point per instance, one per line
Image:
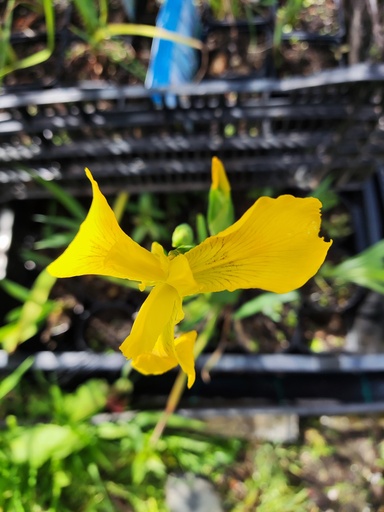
(237, 44)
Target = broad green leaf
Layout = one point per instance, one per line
(364, 269)
(40, 443)
(87, 400)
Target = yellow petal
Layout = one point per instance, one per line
(101, 247)
(219, 176)
(274, 246)
(180, 276)
(163, 357)
(184, 345)
(159, 314)
(151, 364)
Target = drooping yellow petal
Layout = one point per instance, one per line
(101, 247)
(159, 314)
(152, 364)
(163, 358)
(274, 246)
(184, 345)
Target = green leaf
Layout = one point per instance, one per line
(15, 290)
(87, 400)
(365, 269)
(220, 211)
(11, 381)
(40, 443)
(265, 303)
(57, 220)
(55, 241)
(201, 228)
(328, 197)
(70, 203)
(88, 12)
(31, 312)
(37, 57)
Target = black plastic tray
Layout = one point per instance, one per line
(268, 132)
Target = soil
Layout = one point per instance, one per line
(237, 44)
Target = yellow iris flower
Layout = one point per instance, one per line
(274, 246)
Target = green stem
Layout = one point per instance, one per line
(181, 380)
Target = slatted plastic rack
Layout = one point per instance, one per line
(268, 132)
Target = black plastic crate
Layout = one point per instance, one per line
(281, 133)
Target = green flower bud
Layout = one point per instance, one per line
(183, 235)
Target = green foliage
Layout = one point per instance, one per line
(147, 218)
(220, 210)
(201, 228)
(25, 321)
(72, 205)
(324, 192)
(99, 35)
(270, 304)
(9, 61)
(67, 462)
(12, 380)
(286, 17)
(365, 269)
(268, 489)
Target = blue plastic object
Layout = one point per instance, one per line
(174, 63)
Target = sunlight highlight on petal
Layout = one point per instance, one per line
(274, 246)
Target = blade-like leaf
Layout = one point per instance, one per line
(70, 203)
(11, 381)
(264, 303)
